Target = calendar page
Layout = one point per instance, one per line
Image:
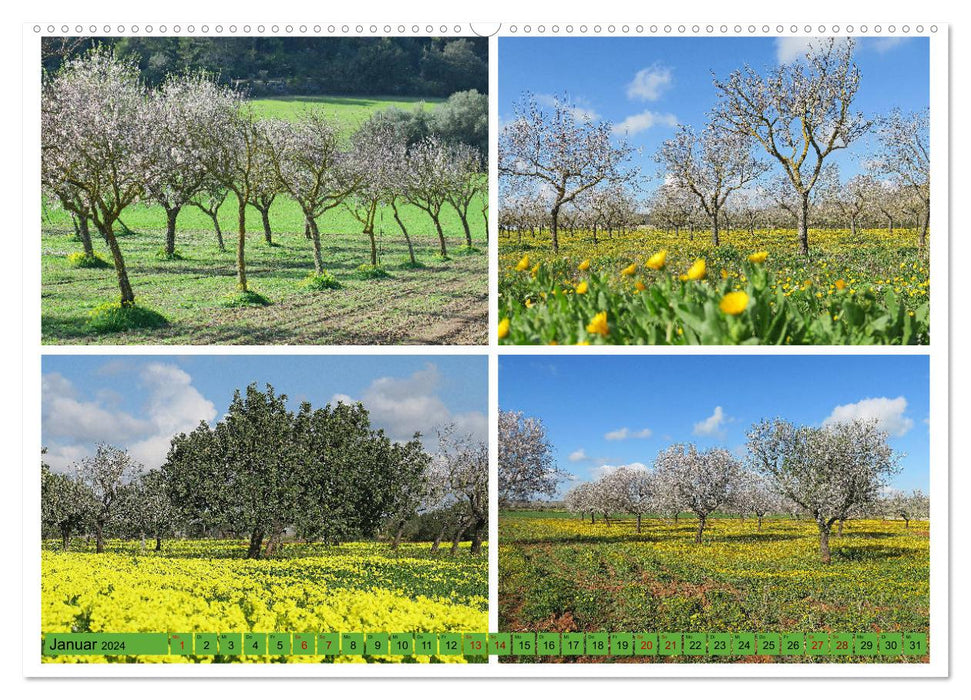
(613, 348)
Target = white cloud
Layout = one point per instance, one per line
(637, 123)
(649, 83)
(887, 413)
(712, 425)
(627, 433)
(72, 425)
(578, 455)
(404, 406)
(605, 469)
(884, 44)
(578, 107)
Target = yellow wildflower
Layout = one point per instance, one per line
(656, 261)
(522, 264)
(599, 324)
(582, 287)
(640, 286)
(758, 257)
(629, 270)
(584, 266)
(734, 303)
(696, 271)
(503, 328)
(840, 284)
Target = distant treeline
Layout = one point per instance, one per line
(405, 66)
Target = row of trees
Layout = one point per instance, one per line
(406, 66)
(827, 473)
(264, 471)
(108, 141)
(793, 117)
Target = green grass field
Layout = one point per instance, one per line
(560, 574)
(445, 301)
(351, 112)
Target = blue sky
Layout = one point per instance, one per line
(140, 402)
(667, 81)
(617, 410)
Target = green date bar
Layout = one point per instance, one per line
(106, 643)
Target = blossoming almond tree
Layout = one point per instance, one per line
(178, 116)
(526, 465)
(310, 167)
(93, 134)
(906, 159)
(563, 153)
(827, 471)
(703, 479)
(711, 165)
(800, 113)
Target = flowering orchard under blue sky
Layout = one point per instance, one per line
(647, 86)
(139, 402)
(607, 411)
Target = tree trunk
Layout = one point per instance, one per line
(804, 225)
(465, 225)
(839, 527)
(441, 237)
(925, 224)
(458, 538)
(701, 528)
(760, 523)
(676, 518)
(141, 536)
(171, 214)
(439, 536)
(65, 540)
(267, 233)
(401, 225)
(158, 543)
(824, 554)
(593, 520)
(554, 227)
(84, 233)
(255, 545)
(595, 234)
(241, 252)
(853, 226)
(374, 245)
(485, 219)
(219, 232)
(315, 240)
(99, 538)
(127, 295)
(714, 230)
(397, 535)
(907, 522)
(478, 534)
(638, 523)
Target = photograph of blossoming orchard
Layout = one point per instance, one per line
(714, 190)
(264, 190)
(237, 494)
(715, 494)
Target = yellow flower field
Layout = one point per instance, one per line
(203, 586)
(558, 574)
(655, 287)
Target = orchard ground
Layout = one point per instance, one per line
(440, 301)
(560, 574)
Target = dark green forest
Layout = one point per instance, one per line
(399, 66)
